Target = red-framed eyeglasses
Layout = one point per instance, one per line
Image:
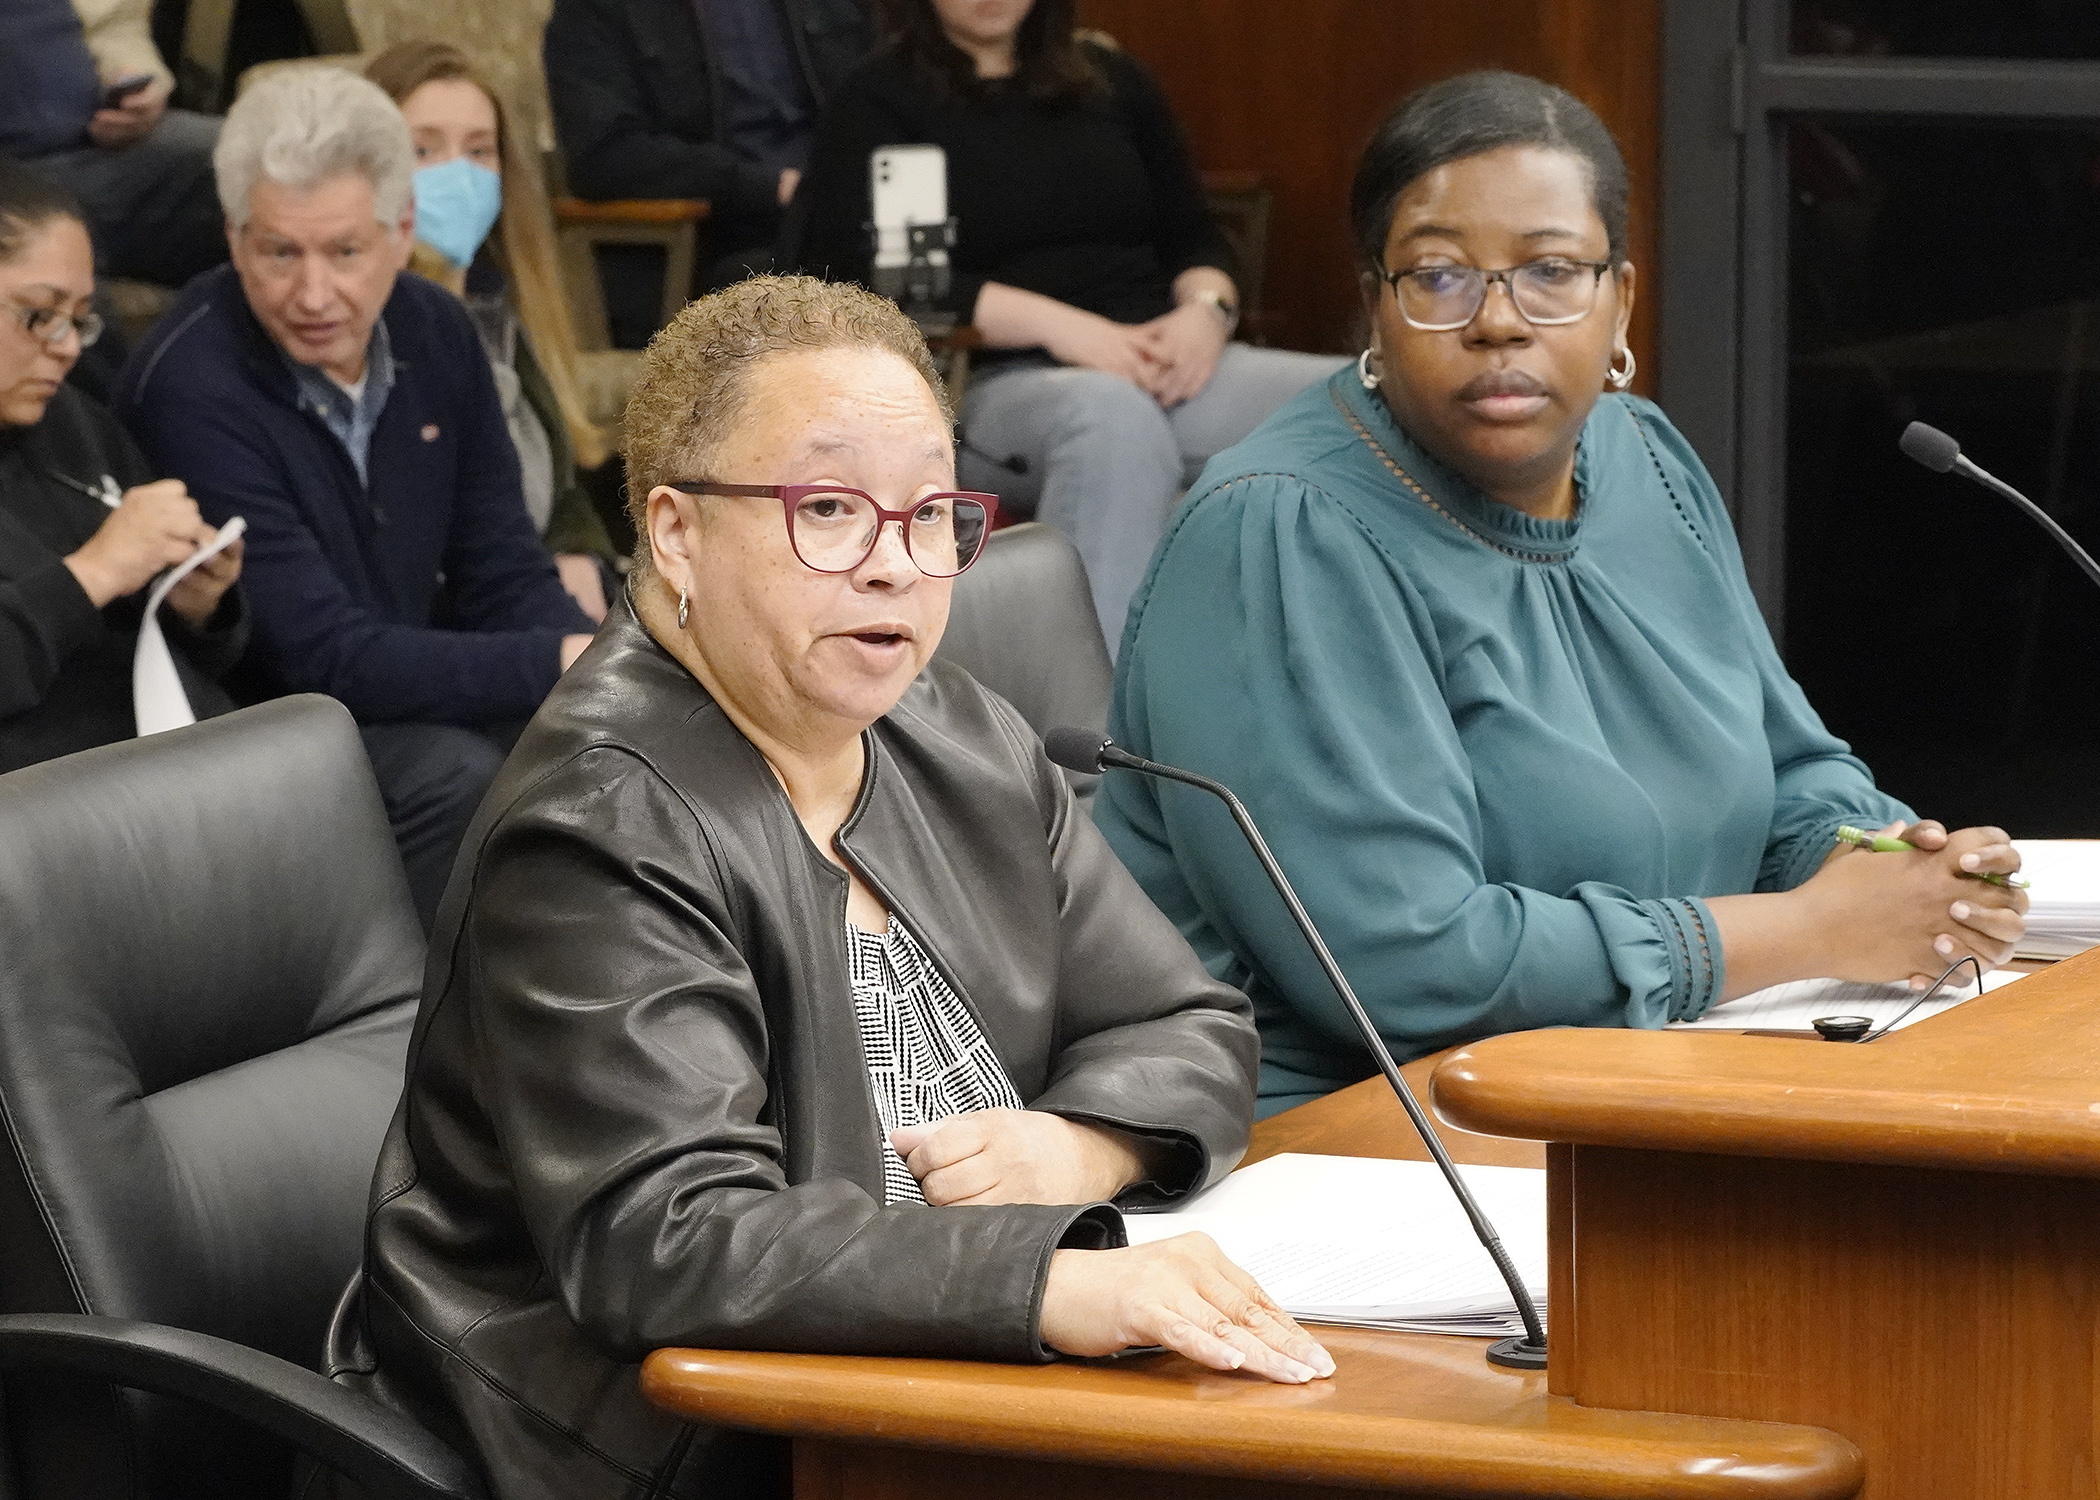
(833, 529)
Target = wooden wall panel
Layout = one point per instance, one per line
(1293, 88)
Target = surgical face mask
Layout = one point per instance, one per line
(456, 206)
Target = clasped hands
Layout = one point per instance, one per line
(1170, 358)
(1883, 917)
(1182, 1293)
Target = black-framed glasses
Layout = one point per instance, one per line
(833, 529)
(1552, 289)
(49, 325)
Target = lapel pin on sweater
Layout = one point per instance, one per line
(430, 432)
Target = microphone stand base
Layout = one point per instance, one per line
(1517, 1354)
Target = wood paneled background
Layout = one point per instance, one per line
(1293, 89)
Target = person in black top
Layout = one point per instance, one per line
(711, 99)
(84, 526)
(1086, 257)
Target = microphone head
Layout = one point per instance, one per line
(1076, 749)
(1930, 447)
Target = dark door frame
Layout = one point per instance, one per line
(1729, 86)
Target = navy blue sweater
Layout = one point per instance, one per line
(425, 596)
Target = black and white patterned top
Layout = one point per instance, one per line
(927, 1057)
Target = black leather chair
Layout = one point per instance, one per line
(1022, 622)
(208, 972)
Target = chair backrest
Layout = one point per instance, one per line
(1022, 623)
(1240, 203)
(208, 970)
(502, 36)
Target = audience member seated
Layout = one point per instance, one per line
(683, 99)
(84, 525)
(141, 170)
(784, 1001)
(474, 176)
(1086, 253)
(347, 411)
(1488, 670)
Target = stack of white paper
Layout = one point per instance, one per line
(2063, 877)
(1371, 1243)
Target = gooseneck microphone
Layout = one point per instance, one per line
(1941, 454)
(1092, 752)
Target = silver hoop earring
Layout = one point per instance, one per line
(1371, 378)
(1617, 378)
(681, 606)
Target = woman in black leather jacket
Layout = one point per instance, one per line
(762, 940)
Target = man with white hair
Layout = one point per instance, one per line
(346, 409)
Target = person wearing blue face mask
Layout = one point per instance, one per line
(485, 235)
(347, 412)
(458, 199)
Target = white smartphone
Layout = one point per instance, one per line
(909, 185)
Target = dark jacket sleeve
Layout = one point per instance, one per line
(214, 647)
(1187, 235)
(45, 619)
(1140, 1019)
(610, 145)
(321, 638)
(621, 1053)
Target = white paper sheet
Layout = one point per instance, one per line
(157, 699)
(2063, 875)
(1371, 1243)
(1796, 1006)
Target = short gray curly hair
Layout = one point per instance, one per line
(300, 126)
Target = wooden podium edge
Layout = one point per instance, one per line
(2008, 1082)
(1543, 1446)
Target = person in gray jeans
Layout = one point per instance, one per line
(1096, 453)
(1086, 257)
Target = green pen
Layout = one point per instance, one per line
(1881, 843)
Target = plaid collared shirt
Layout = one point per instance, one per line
(350, 420)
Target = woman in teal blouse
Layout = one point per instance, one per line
(1472, 638)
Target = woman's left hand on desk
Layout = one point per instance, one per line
(1016, 1156)
(1182, 1293)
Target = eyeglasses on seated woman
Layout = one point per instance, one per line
(783, 1000)
(1499, 689)
(85, 523)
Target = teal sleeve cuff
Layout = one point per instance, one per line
(1693, 943)
(1795, 856)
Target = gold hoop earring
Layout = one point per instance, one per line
(1371, 378)
(681, 606)
(1617, 378)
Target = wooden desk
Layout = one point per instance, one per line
(1404, 1413)
(1899, 1241)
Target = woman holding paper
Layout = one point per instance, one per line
(84, 526)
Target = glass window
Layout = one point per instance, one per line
(1948, 273)
(2063, 29)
